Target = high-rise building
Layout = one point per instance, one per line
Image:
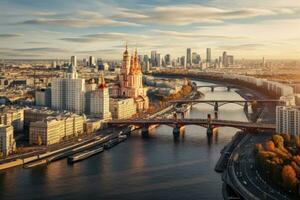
(153, 59)
(168, 59)
(7, 141)
(92, 61)
(188, 57)
(99, 101)
(74, 61)
(288, 120)
(208, 55)
(68, 93)
(182, 62)
(224, 59)
(158, 60)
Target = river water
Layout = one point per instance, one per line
(152, 168)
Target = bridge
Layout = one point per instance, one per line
(208, 123)
(219, 103)
(212, 87)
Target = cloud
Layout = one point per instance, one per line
(109, 51)
(110, 36)
(192, 14)
(10, 35)
(41, 49)
(80, 19)
(245, 47)
(195, 35)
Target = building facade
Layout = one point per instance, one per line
(122, 108)
(288, 120)
(99, 101)
(7, 141)
(68, 93)
(53, 130)
(12, 116)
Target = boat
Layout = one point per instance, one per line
(111, 143)
(122, 138)
(81, 156)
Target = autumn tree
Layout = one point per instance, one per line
(270, 146)
(290, 181)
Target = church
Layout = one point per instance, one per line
(130, 82)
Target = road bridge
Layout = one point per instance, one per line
(212, 87)
(208, 123)
(219, 103)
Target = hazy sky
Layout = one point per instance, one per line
(61, 28)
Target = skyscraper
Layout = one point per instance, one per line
(158, 60)
(74, 61)
(153, 58)
(188, 57)
(168, 59)
(224, 59)
(99, 101)
(68, 93)
(208, 55)
(92, 61)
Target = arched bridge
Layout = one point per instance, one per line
(210, 124)
(212, 87)
(219, 103)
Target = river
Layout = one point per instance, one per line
(142, 169)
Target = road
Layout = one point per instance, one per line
(247, 180)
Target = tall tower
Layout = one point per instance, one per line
(225, 60)
(208, 55)
(73, 61)
(188, 57)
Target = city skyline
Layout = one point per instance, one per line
(35, 29)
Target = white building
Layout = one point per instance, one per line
(7, 141)
(288, 120)
(68, 93)
(99, 101)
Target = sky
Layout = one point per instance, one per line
(37, 29)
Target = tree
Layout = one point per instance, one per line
(290, 181)
(270, 146)
(278, 140)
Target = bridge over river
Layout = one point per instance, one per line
(208, 123)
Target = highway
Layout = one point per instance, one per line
(243, 173)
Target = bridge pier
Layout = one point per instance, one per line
(176, 132)
(246, 107)
(228, 88)
(145, 132)
(216, 115)
(209, 130)
(212, 89)
(216, 107)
